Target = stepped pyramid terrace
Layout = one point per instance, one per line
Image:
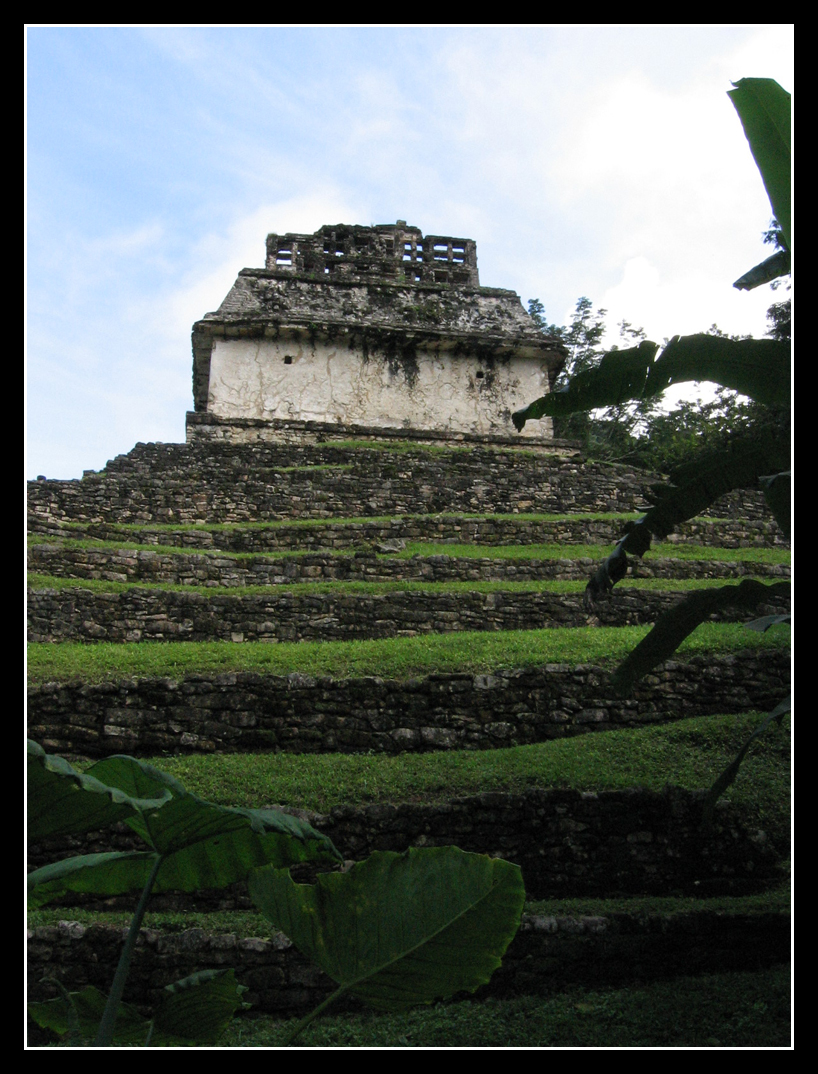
(356, 593)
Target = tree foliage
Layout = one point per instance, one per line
(610, 432)
(751, 453)
(643, 433)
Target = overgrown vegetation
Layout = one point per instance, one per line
(685, 754)
(395, 930)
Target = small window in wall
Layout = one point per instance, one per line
(288, 359)
(284, 257)
(479, 374)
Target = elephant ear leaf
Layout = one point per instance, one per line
(198, 1009)
(195, 1011)
(765, 111)
(63, 801)
(76, 1015)
(197, 844)
(401, 929)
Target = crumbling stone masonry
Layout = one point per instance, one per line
(371, 326)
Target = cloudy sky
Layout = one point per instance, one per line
(604, 162)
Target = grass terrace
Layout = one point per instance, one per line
(473, 652)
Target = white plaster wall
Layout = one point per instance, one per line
(327, 382)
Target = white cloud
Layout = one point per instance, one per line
(598, 161)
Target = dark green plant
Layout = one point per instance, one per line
(399, 930)
(192, 844)
(194, 1011)
(759, 369)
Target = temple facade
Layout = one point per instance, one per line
(379, 328)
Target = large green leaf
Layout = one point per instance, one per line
(675, 625)
(201, 845)
(80, 1012)
(115, 872)
(198, 1009)
(195, 1011)
(778, 494)
(693, 487)
(188, 822)
(764, 109)
(401, 929)
(63, 801)
(731, 771)
(770, 269)
(759, 368)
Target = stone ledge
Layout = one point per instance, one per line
(250, 712)
(153, 614)
(548, 953)
(568, 843)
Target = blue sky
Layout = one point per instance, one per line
(601, 161)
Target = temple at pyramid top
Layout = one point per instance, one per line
(369, 327)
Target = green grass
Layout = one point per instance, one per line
(474, 652)
(573, 552)
(737, 1010)
(562, 552)
(359, 588)
(726, 1010)
(94, 545)
(251, 923)
(688, 753)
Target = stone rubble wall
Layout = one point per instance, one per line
(212, 569)
(246, 712)
(448, 529)
(205, 483)
(144, 614)
(547, 954)
(568, 843)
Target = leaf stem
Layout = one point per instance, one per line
(302, 1025)
(105, 1033)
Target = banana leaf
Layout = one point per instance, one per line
(680, 621)
(764, 109)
